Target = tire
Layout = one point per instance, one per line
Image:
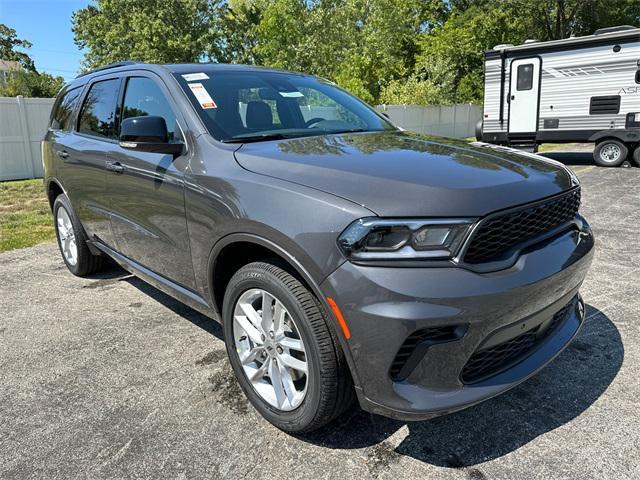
(610, 153)
(328, 387)
(636, 156)
(84, 262)
(479, 130)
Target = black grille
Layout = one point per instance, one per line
(490, 361)
(430, 336)
(496, 236)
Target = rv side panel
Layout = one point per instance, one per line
(571, 80)
(492, 86)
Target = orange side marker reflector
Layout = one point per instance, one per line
(338, 314)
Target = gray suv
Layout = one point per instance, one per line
(345, 257)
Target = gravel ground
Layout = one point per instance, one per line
(107, 377)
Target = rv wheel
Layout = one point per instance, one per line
(610, 153)
(636, 156)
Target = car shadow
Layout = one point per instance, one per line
(571, 158)
(117, 274)
(555, 396)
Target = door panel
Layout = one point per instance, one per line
(83, 157)
(147, 195)
(523, 96)
(84, 177)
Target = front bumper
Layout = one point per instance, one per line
(383, 306)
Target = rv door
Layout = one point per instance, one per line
(523, 95)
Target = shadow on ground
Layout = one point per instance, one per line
(571, 158)
(117, 274)
(558, 394)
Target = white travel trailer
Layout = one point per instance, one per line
(584, 89)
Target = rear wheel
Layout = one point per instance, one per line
(636, 156)
(282, 350)
(72, 240)
(610, 153)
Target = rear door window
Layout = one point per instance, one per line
(144, 97)
(98, 114)
(64, 108)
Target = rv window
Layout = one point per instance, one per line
(525, 77)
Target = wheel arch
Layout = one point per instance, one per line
(622, 135)
(261, 248)
(53, 188)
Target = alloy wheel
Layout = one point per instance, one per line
(67, 236)
(270, 349)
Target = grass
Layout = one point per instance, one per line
(25, 216)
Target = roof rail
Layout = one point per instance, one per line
(619, 28)
(110, 65)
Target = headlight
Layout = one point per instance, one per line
(401, 239)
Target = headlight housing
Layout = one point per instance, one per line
(403, 239)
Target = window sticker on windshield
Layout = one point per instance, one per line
(201, 94)
(190, 77)
(291, 94)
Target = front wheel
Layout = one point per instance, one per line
(610, 153)
(282, 350)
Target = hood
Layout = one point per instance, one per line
(401, 174)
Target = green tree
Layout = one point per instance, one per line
(160, 31)
(237, 42)
(392, 51)
(556, 19)
(450, 62)
(9, 41)
(31, 84)
(360, 44)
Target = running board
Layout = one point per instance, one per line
(175, 290)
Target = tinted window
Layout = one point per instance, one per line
(63, 109)
(255, 105)
(525, 77)
(97, 116)
(143, 97)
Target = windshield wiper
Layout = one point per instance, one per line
(257, 138)
(351, 130)
(281, 136)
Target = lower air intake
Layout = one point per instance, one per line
(485, 363)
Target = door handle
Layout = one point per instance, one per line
(116, 167)
(513, 97)
(62, 153)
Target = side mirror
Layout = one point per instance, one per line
(147, 134)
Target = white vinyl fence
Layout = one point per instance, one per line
(23, 123)
(456, 121)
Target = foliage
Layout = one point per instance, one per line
(28, 81)
(25, 216)
(409, 51)
(160, 31)
(31, 84)
(8, 43)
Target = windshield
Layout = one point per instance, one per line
(251, 106)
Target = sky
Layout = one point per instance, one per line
(47, 25)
